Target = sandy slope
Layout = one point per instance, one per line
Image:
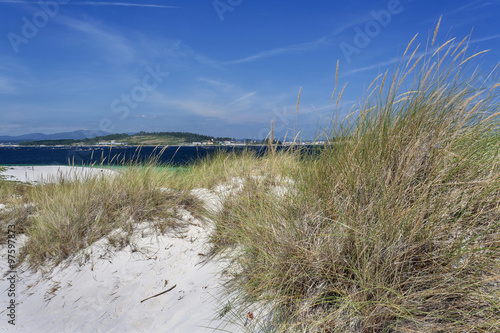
(102, 290)
(104, 295)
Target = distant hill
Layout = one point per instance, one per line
(76, 135)
(138, 139)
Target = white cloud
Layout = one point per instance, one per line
(214, 105)
(244, 97)
(483, 39)
(97, 3)
(468, 19)
(467, 6)
(102, 37)
(360, 20)
(392, 61)
(219, 85)
(124, 4)
(282, 50)
(371, 67)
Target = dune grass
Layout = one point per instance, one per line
(394, 228)
(225, 167)
(64, 216)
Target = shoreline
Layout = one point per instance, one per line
(48, 173)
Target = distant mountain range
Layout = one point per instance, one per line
(76, 135)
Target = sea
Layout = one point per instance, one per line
(115, 155)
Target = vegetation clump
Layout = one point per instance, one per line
(394, 227)
(64, 216)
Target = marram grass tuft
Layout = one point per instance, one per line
(395, 227)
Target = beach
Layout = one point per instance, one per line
(158, 283)
(47, 173)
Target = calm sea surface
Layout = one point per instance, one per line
(107, 155)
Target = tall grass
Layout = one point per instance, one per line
(71, 214)
(225, 167)
(395, 227)
(66, 214)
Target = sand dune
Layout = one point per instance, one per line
(105, 293)
(102, 288)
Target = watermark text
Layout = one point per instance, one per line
(122, 106)
(11, 274)
(371, 30)
(223, 6)
(31, 26)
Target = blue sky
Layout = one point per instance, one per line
(222, 68)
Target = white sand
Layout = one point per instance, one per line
(103, 293)
(37, 174)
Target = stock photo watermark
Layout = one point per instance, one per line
(223, 6)
(364, 35)
(122, 106)
(31, 26)
(11, 274)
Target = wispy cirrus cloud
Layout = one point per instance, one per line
(389, 62)
(471, 7)
(117, 45)
(97, 3)
(483, 39)
(244, 97)
(357, 21)
(281, 50)
(123, 4)
(220, 85)
(480, 3)
(394, 60)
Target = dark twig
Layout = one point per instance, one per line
(163, 292)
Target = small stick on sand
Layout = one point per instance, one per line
(163, 292)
